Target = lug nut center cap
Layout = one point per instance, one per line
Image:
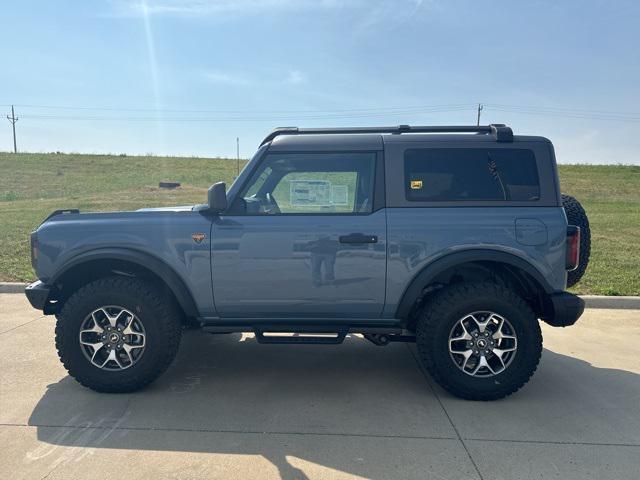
(114, 338)
(482, 343)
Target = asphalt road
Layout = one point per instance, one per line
(230, 408)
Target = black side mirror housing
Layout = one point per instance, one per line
(217, 197)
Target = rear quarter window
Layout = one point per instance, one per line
(471, 174)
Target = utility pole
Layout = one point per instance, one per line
(13, 119)
(480, 107)
(238, 153)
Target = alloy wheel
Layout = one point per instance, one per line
(482, 344)
(112, 338)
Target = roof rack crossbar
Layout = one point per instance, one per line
(499, 131)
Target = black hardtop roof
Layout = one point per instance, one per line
(498, 132)
(374, 138)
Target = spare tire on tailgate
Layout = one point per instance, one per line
(577, 216)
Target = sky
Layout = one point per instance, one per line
(189, 77)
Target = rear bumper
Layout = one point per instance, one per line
(565, 309)
(38, 293)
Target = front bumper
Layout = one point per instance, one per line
(38, 294)
(565, 309)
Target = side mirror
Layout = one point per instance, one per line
(217, 197)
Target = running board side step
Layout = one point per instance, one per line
(314, 334)
(307, 334)
(315, 338)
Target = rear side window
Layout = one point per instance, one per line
(470, 174)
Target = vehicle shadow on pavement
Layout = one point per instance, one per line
(355, 408)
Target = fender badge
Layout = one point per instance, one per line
(198, 237)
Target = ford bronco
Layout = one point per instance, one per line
(454, 238)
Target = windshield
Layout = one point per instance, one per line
(246, 170)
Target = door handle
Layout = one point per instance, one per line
(358, 238)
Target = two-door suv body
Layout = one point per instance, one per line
(453, 237)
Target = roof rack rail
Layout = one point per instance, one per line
(500, 132)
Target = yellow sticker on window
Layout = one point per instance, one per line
(416, 184)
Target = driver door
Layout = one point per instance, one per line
(305, 238)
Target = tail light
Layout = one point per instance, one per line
(34, 249)
(573, 247)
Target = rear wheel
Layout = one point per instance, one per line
(117, 334)
(479, 341)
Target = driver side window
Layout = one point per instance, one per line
(310, 183)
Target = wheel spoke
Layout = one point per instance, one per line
(481, 325)
(453, 350)
(129, 331)
(94, 345)
(96, 348)
(110, 318)
(127, 349)
(120, 314)
(482, 363)
(501, 351)
(95, 329)
(96, 326)
(465, 336)
(111, 356)
(467, 355)
(498, 355)
(499, 333)
(132, 347)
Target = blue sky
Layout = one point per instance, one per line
(187, 77)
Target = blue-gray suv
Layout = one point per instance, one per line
(451, 237)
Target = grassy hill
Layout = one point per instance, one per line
(32, 185)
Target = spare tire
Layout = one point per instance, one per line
(578, 217)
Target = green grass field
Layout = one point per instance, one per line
(32, 185)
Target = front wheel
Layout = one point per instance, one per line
(479, 341)
(117, 334)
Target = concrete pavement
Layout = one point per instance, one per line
(230, 408)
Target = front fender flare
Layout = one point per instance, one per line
(160, 268)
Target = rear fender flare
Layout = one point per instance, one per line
(440, 265)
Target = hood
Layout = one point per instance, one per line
(73, 214)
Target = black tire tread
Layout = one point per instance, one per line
(444, 301)
(576, 215)
(167, 316)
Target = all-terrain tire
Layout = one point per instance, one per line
(159, 315)
(442, 313)
(578, 217)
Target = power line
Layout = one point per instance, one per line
(240, 118)
(335, 111)
(209, 116)
(562, 109)
(252, 111)
(551, 113)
